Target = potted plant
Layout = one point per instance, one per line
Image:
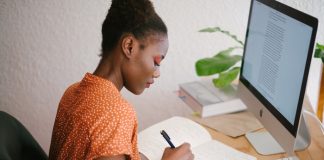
(223, 63)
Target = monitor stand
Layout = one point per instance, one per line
(257, 140)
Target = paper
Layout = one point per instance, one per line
(234, 125)
(152, 144)
(214, 150)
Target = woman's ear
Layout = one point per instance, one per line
(128, 44)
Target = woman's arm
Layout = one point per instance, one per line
(119, 157)
(183, 152)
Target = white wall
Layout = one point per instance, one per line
(47, 45)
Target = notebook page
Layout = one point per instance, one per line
(214, 150)
(152, 144)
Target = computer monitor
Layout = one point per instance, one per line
(277, 54)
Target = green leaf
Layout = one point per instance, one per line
(210, 30)
(319, 51)
(226, 52)
(218, 29)
(217, 64)
(319, 46)
(226, 78)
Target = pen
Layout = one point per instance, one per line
(167, 138)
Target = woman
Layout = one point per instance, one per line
(93, 121)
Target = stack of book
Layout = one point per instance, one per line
(207, 100)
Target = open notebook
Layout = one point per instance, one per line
(152, 144)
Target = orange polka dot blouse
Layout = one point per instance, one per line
(93, 120)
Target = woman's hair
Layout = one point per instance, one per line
(137, 17)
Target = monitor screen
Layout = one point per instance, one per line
(276, 60)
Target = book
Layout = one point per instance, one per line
(180, 130)
(207, 100)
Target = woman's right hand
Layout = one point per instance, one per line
(183, 152)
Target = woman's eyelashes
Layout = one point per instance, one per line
(157, 61)
(156, 64)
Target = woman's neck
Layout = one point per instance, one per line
(109, 68)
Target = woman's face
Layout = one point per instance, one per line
(144, 66)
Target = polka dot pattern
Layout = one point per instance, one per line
(93, 120)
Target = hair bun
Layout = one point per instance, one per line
(133, 12)
(130, 16)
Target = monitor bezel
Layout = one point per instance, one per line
(301, 17)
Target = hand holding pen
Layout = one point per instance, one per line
(182, 152)
(167, 138)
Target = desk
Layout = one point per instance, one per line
(314, 152)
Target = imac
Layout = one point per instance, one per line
(278, 49)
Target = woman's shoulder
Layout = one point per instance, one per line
(70, 93)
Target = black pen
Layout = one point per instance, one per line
(167, 138)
